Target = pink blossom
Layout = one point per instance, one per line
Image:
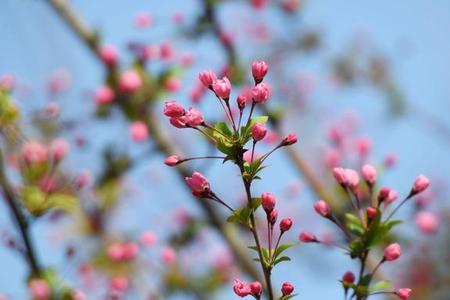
(33, 152)
(199, 184)
(392, 252)
(259, 70)
(148, 238)
(322, 208)
(138, 131)
(39, 289)
(168, 256)
(193, 117)
(130, 81)
(103, 95)
(119, 283)
(268, 201)
(348, 277)
(260, 93)
(58, 149)
(172, 160)
(289, 139)
(427, 222)
(369, 174)
(242, 289)
(403, 293)
(285, 224)
(258, 132)
(207, 78)
(109, 55)
(222, 88)
(420, 184)
(287, 289)
(142, 20)
(307, 237)
(173, 109)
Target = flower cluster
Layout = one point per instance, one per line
(231, 140)
(366, 228)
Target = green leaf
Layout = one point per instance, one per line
(283, 248)
(354, 225)
(380, 285)
(281, 259)
(287, 297)
(64, 202)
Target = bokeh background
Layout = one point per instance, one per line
(406, 41)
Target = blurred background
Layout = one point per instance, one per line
(357, 81)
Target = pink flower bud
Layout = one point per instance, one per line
(148, 238)
(172, 84)
(119, 283)
(130, 250)
(138, 131)
(427, 222)
(241, 101)
(260, 93)
(392, 252)
(403, 293)
(58, 149)
(142, 20)
(307, 237)
(241, 288)
(369, 174)
(173, 109)
(420, 184)
(173, 160)
(258, 4)
(363, 146)
(352, 178)
(179, 122)
(115, 252)
(391, 197)
(258, 132)
(268, 201)
(222, 88)
(285, 224)
(259, 70)
(287, 289)
(256, 289)
(322, 208)
(207, 78)
(109, 55)
(103, 95)
(339, 175)
(193, 117)
(273, 216)
(290, 6)
(383, 194)
(289, 139)
(348, 277)
(39, 289)
(198, 184)
(83, 179)
(79, 295)
(371, 212)
(33, 152)
(168, 256)
(130, 81)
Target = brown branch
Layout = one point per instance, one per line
(20, 219)
(163, 142)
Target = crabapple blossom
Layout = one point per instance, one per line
(222, 88)
(260, 93)
(392, 252)
(207, 78)
(259, 70)
(307, 237)
(138, 131)
(322, 208)
(285, 224)
(427, 222)
(403, 293)
(39, 289)
(258, 132)
(58, 149)
(103, 95)
(369, 174)
(198, 184)
(173, 109)
(287, 289)
(348, 277)
(289, 139)
(172, 160)
(420, 184)
(130, 81)
(109, 55)
(240, 288)
(268, 202)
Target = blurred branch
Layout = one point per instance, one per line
(20, 218)
(162, 141)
